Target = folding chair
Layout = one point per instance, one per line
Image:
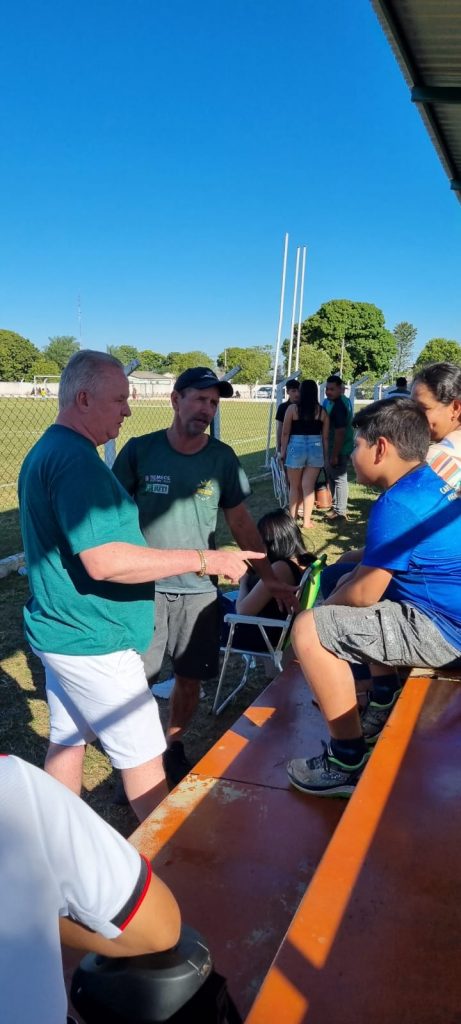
(307, 594)
(279, 481)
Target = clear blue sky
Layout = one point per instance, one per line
(154, 152)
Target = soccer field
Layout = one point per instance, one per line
(244, 426)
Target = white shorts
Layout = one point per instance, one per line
(104, 696)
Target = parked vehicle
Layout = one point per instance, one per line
(264, 391)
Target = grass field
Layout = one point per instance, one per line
(244, 426)
(24, 718)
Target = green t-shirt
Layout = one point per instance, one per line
(178, 496)
(341, 416)
(70, 501)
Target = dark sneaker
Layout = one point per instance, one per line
(333, 514)
(374, 718)
(325, 775)
(175, 764)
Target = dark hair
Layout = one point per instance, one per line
(334, 378)
(308, 405)
(292, 383)
(282, 537)
(443, 379)
(400, 421)
(401, 382)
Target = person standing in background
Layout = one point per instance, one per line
(340, 444)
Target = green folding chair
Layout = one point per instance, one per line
(307, 595)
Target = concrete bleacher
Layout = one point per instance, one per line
(318, 909)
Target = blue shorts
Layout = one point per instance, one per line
(304, 450)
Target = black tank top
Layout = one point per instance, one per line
(306, 427)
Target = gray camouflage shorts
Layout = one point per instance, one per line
(386, 633)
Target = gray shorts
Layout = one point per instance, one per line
(386, 633)
(187, 627)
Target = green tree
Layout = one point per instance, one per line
(43, 367)
(255, 363)
(155, 362)
(17, 354)
(440, 350)
(60, 348)
(368, 345)
(404, 334)
(126, 353)
(314, 363)
(177, 362)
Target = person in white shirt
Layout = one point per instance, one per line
(66, 876)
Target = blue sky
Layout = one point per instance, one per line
(155, 152)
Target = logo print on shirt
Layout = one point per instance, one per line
(205, 489)
(157, 483)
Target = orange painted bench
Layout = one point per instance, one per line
(236, 843)
(377, 933)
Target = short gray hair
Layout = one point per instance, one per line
(83, 373)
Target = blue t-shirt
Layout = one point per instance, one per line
(414, 531)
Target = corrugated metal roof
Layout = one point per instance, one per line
(425, 36)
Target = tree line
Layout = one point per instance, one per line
(342, 334)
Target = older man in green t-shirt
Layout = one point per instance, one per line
(91, 578)
(179, 477)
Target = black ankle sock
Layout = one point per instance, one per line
(348, 751)
(384, 688)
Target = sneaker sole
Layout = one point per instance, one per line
(371, 740)
(337, 791)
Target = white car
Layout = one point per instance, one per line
(265, 391)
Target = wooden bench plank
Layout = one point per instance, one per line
(376, 936)
(238, 846)
(281, 723)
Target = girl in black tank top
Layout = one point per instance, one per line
(304, 448)
(289, 559)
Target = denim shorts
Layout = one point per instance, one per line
(304, 450)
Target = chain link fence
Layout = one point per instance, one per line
(242, 424)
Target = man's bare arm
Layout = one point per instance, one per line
(118, 562)
(338, 442)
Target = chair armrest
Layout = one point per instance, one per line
(254, 620)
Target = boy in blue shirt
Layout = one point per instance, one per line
(412, 553)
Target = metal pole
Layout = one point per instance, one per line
(342, 357)
(301, 296)
(292, 329)
(277, 347)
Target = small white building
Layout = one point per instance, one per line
(146, 384)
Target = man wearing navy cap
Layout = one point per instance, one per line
(179, 477)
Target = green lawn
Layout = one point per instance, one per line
(24, 718)
(23, 420)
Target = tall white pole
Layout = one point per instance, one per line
(301, 296)
(342, 357)
(293, 314)
(277, 346)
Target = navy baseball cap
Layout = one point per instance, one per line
(202, 377)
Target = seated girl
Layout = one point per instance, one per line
(289, 560)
